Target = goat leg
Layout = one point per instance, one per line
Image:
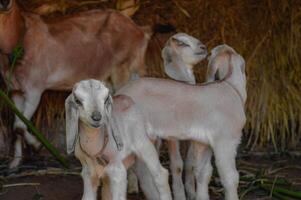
(149, 155)
(176, 166)
(27, 104)
(202, 169)
(118, 180)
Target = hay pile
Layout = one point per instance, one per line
(267, 34)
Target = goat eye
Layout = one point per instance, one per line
(182, 44)
(77, 101)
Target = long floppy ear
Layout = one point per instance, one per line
(176, 70)
(114, 129)
(109, 107)
(112, 125)
(71, 123)
(211, 69)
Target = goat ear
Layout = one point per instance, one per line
(71, 123)
(212, 69)
(115, 131)
(109, 107)
(176, 71)
(111, 124)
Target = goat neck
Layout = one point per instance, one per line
(183, 71)
(11, 28)
(92, 140)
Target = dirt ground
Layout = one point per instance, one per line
(44, 180)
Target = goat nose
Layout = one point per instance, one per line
(203, 47)
(96, 116)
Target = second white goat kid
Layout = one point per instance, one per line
(180, 54)
(107, 138)
(211, 114)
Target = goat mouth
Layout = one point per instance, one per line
(201, 53)
(96, 125)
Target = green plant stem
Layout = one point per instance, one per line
(282, 191)
(34, 131)
(296, 194)
(280, 196)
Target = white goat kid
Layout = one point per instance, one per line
(180, 54)
(106, 139)
(199, 155)
(179, 62)
(211, 114)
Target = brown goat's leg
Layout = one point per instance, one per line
(18, 154)
(18, 99)
(19, 103)
(32, 100)
(27, 105)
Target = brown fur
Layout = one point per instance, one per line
(90, 44)
(11, 29)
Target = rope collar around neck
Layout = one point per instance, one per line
(99, 157)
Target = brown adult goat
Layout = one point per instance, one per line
(62, 51)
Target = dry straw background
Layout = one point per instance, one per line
(266, 32)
